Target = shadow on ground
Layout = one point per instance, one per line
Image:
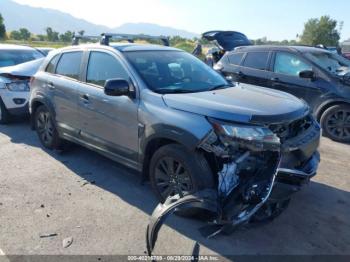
(316, 222)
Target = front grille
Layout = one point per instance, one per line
(293, 129)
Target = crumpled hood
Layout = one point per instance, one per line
(242, 103)
(27, 69)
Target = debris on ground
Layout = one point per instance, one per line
(42, 206)
(88, 183)
(67, 242)
(48, 235)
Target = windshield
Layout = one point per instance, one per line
(15, 57)
(174, 72)
(334, 63)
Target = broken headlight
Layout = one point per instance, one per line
(254, 137)
(18, 86)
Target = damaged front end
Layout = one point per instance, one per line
(257, 167)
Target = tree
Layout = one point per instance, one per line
(52, 35)
(66, 37)
(41, 37)
(16, 35)
(24, 33)
(321, 31)
(81, 32)
(2, 28)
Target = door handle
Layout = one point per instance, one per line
(240, 74)
(275, 82)
(85, 98)
(50, 85)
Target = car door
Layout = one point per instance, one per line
(108, 122)
(229, 65)
(62, 82)
(253, 69)
(286, 68)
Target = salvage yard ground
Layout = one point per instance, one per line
(103, 207)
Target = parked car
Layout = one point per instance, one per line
(14, 80)
(164, 112)
(319, 77)
(224, 41)
(11, 55)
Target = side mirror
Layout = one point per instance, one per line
(117, 87)
(309, 74)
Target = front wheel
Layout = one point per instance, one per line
(335, 122)
(175, 170)
(45, 128)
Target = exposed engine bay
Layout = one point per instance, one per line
(256, 175)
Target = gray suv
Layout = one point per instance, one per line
(165, 113)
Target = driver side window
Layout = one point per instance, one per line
(289, 64)
(102, 67)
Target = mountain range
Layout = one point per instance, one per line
(36, 19)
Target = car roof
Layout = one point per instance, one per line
(15, 47)
(302, 49)
(122, 47)
(129, 47)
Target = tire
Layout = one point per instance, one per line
(190, 171)
(46, 128)
(335, 123)
(5, 116)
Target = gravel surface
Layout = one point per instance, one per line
(48, 197)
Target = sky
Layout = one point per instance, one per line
(274, 19)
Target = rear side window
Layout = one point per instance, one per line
(69, 65)
(102, 67)
(235, 58)
(52, 65)
(256, 60)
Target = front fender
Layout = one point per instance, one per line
(165, 131)
(329, 102)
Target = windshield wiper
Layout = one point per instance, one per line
(220, 87)
(174, 91)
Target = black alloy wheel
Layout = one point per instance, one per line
(171, 177)
(335, 123)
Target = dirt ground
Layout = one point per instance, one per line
(105, 209)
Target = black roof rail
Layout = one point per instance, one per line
(77, 38)
(105, 38)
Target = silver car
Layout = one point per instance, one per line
(167, 114)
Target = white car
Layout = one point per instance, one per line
(17, 65)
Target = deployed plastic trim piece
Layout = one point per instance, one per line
(202, 200)
(105, 38)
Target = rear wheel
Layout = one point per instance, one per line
(46, 129)
(175, 170)
(5, 116)
(335, 122)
